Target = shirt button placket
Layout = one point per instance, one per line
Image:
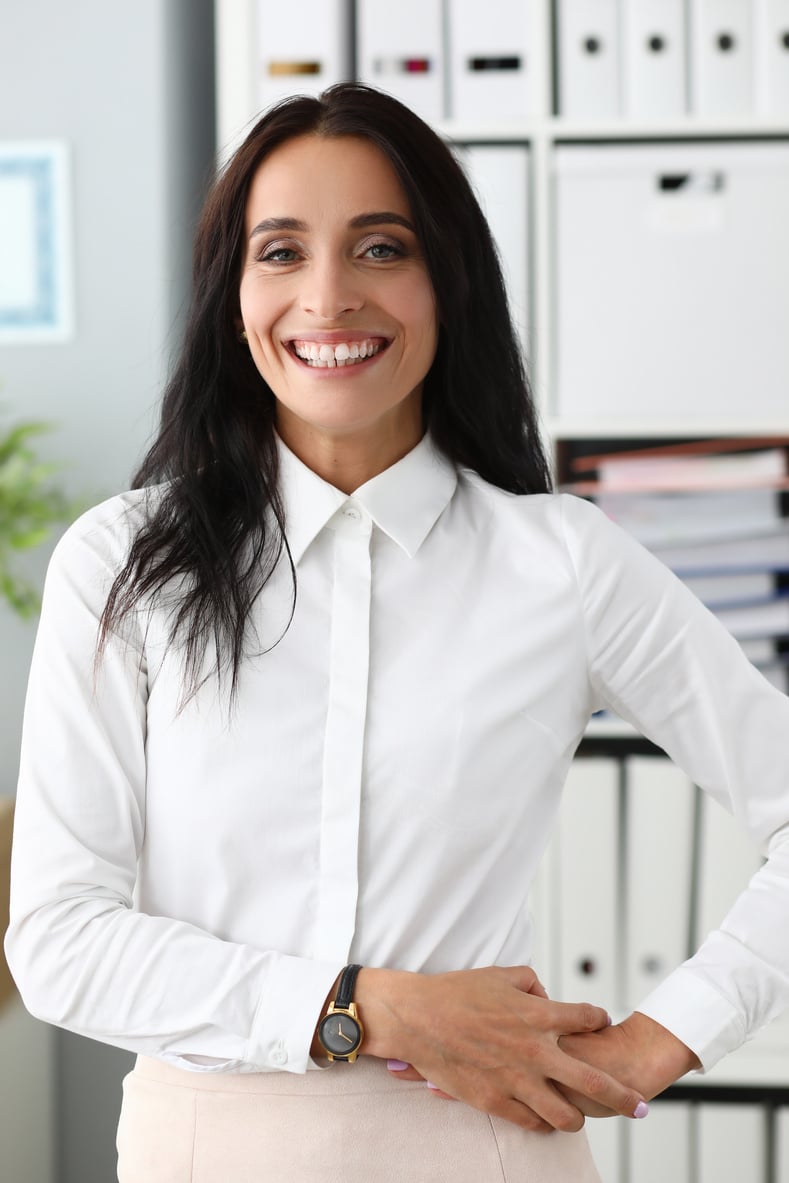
(344, 739)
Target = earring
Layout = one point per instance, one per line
(244, 336)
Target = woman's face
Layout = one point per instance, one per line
(335, 296)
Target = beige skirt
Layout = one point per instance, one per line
(352, 1123)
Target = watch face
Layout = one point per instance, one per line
(340, 1033)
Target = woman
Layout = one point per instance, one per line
(347, 645)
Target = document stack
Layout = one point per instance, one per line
(712, 511)
(635, 57)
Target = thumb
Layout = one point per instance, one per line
(524, 978)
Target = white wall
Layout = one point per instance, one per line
(131, 88)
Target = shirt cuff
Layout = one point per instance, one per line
(289, 1010)
(697, 1014)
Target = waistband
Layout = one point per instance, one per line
(367, 1075)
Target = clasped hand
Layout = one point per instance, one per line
(493, 1039)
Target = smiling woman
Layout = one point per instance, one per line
(278, 834)
(337, 305)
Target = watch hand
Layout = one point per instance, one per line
(342, 1034)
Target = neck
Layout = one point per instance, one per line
(349, 459)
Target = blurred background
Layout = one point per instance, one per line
(129, 90)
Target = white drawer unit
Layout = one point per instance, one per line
(671, 295)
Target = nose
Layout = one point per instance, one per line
(331, 288)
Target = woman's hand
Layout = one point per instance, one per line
(638, 1051)
(491, 1038)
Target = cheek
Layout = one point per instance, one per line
(417, 306)
(260, 308)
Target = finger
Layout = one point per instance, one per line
(439, 1092)
(403, 1071)
(556, 1110)
(603, 1089)
(587, 1107)
(538, 989)
(522, 1115)
(524, 978)
(571, 1018)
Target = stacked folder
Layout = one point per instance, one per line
(302, 51)
(456, 60)
(471, 61)
(663, 58)
(712, 511)
(500, 177)
(612, 924)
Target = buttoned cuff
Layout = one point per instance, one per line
(288, 1013)
(696, 1013)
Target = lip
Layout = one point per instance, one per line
(335, 337)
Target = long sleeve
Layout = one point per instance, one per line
(81, 953)
(188, 882)
(663, 662)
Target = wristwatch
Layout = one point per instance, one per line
(340, 1031)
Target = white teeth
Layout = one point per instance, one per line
(327, 356)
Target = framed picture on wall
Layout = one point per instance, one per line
(36, 256)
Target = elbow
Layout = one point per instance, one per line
(38, 971)
(25, 969)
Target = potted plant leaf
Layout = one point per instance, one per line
(30, 506)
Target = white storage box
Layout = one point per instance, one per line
(671, 283)
(499, 174)
(302, 49)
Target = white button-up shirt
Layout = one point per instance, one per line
(188, 880)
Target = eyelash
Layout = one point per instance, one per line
(395, 249)
(269, 254)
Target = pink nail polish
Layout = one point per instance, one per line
(641, 1109)
(397, 1065)
(610, 1021)
(430, 1085)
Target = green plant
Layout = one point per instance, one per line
(30, 505)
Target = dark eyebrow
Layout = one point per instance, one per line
(278, 224)
(379, 218)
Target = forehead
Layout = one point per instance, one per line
(312, 175)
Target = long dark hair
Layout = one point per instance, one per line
(216, 524)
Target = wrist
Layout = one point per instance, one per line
(662, 1057)
(382, 996)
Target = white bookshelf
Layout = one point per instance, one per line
(238, 103)
(764, 1061)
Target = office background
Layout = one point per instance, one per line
(550, 123)
(130, 89)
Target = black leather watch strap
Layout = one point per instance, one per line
(346, 986)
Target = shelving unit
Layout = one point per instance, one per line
(542, 134)
(764, 1063)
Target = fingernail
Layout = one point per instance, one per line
(609, 1020)
(430, 1085)
(397, 1065)
(641, 1109)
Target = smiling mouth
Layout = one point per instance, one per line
(323, 356)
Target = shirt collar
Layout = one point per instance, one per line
(405, 501)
